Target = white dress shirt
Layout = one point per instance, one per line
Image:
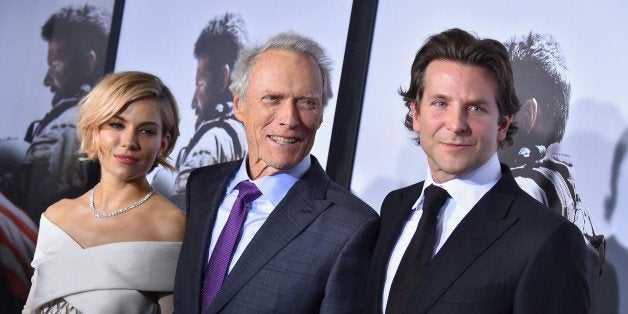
(465, 192)
(273, 188)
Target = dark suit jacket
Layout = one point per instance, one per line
(311, 255)
(509, 254)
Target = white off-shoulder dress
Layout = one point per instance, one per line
(110, 278)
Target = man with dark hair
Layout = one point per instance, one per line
(539, 167)
(468, 239)
(77, 42)
(77, 45)
(219, 137)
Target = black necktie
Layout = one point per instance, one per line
(419, 253)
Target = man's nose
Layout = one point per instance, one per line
(47, 79)
(288, 113)
(195, 99)
(457, 121)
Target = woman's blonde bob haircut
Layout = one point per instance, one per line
(111, 95)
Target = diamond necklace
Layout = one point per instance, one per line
(98, 214)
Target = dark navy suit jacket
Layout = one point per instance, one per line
(510, 254)
(311, 255)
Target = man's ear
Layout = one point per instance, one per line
(416, 123)
(224, 73)
(238, 107)
(527, 115)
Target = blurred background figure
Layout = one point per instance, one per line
(44, 166)
(219, 136)
(77, 39)
(536, 161)
(12, 152)
(614, 279)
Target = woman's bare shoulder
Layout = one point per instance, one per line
(65, 209)
(169, 219)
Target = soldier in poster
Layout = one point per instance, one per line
(535, 158)
(77, 38)
(219, 136)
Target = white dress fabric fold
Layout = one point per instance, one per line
(110, 278)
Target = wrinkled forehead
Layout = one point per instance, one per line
(286, 66)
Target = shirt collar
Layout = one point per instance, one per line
(273, 187)
(469, 188)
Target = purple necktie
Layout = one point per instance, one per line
(218, 265)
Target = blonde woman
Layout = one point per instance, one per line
(114, 249)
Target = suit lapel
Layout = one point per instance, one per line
(205, 197)
(304, 202)
(394, 215)
(485, 224)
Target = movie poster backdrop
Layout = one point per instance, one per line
(578, 169)
(53, 53)
(165, 39)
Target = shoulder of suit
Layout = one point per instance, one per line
(410, 189)
(532, 212)
(216, 168)
(344, 198)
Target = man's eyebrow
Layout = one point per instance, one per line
(438, 96)
(478, 102)
(315, 95)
